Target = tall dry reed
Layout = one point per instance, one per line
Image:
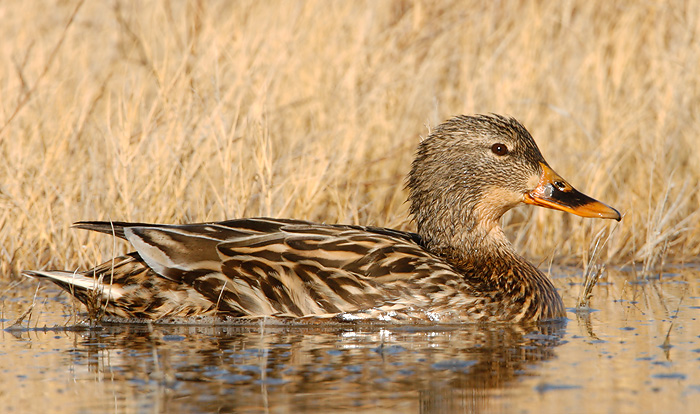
(177, 111)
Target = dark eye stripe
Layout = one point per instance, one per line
(499, 149)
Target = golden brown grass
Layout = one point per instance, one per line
(176, 111)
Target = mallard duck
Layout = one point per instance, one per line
(457, 267)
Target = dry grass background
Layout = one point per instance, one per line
(177, 111)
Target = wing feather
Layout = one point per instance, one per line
(279, 267)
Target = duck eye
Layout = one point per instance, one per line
(499, 149)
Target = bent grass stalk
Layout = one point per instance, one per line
(593, 271)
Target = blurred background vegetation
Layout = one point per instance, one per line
(181, 111)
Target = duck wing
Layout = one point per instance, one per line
(276, 267)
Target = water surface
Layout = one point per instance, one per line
(637, 351)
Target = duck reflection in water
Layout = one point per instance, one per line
(438, 368)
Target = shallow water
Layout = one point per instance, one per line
(638, 351)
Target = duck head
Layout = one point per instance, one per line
(470, 170)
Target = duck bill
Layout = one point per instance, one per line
(552, 191)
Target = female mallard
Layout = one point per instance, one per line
(459, 266)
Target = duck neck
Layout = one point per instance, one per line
(489, 263)
(473, 242)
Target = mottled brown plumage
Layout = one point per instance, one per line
(458, 267)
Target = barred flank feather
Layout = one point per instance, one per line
(274, 267)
